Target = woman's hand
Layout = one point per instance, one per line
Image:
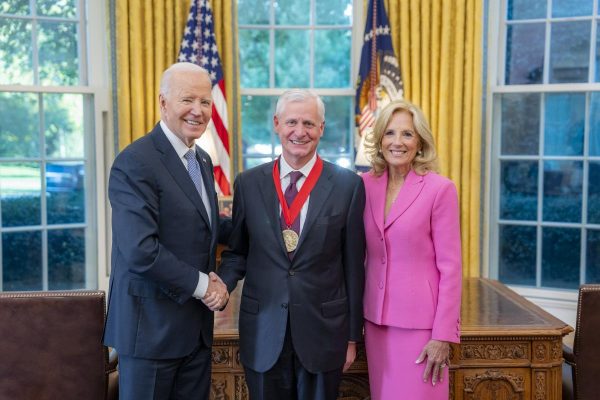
(437, 354)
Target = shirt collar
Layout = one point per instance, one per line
(285, 168)
(178, 145)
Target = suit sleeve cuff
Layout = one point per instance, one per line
(202, 286)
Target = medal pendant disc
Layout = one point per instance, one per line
(290, 238)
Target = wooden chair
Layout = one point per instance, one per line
(51, 347)
(584, 358)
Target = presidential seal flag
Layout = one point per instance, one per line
(199, 46)
(379, 79)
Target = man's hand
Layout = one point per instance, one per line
(350, 355)
(437, 353)
(216, 296)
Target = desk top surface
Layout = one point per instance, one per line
(489, 308)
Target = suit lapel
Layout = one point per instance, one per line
(208, 179)
(408, 193)
(377, 199)
(177, 170)
(317, 199)
(269, 196)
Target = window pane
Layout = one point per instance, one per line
(336, 137)
(292, 12)
(526, 9)
(257, 124)
(571, 8)
(598, 51)
(53, 8)
(334, 12)
(19, 130)
(344, 162)
(254, 58)
(253, 12)
(520, 131)
(518, 190)
(291, 58)
(65, 192)
(22, 261)
(20, 194)
(561, 253)
(59, 61)
(564, 124)
(254, 162)
(332, 58)
(66, 259)
(15, 52)
(63, 119)
(562, 191)
(517, 249)
(14, 7)
(594, 194)
(595, 124)
(570, 51)
(525, 54)
(593, 256)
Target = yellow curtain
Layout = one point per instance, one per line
(439, 43)
(148, 35)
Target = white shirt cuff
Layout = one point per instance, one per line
(202, 286)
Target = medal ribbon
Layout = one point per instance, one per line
(290, 214)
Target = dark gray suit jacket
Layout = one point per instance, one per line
(320, 289)
(161, 239)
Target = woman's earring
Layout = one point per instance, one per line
(420, 153)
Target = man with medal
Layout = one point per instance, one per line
(298, 240)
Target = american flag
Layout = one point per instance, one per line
(199, 47)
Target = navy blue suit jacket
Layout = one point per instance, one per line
(320, 289)
(161, 239)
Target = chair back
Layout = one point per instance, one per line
(586, 346)
(51, 345)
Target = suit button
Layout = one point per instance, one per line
(380, 285)
(291, 272)
(284, 305)
(383, 260)
(381, 238)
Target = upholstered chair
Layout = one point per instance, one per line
(51, 347)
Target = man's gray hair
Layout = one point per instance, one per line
(297, 95)
(165, 80)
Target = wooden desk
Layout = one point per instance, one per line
(510, 350)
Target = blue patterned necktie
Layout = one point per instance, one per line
(194, 170)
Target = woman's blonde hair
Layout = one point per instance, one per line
(426, 158)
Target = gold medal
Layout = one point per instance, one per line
(290, 239)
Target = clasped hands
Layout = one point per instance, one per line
(216, 296)
(437, 354)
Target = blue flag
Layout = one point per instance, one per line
(379, 78)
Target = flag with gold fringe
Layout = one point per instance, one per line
(379, 79)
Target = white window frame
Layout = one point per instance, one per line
(357, 29)
(94, 87)
(560, 302)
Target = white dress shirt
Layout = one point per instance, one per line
(284, 171)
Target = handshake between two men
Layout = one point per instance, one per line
(216, 296)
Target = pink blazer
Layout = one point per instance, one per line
(413, 262)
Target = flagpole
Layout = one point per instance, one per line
(373, 80)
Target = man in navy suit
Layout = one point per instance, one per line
(298, 240)
(165, 224)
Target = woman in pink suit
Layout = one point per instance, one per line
(413, 263)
